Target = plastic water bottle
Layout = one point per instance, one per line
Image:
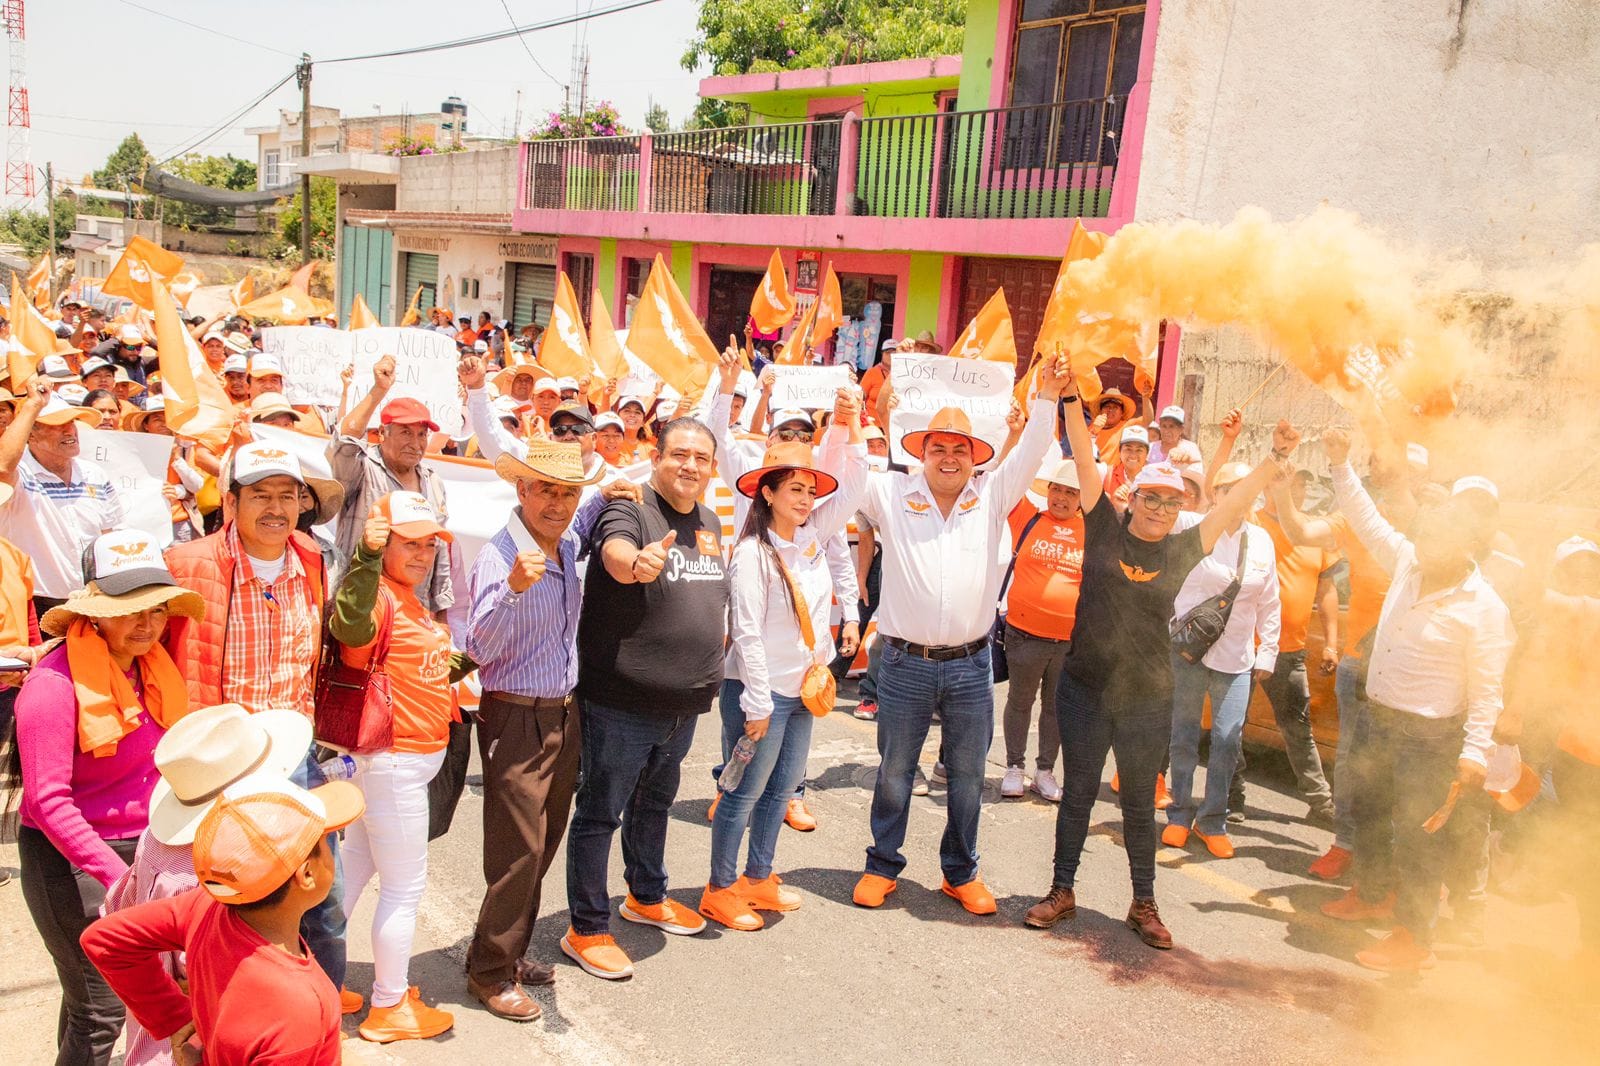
(339, 768)
(738, 762)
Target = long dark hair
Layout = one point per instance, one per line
(759, 522)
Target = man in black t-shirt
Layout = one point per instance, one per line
(650, 646)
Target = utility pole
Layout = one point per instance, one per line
(303, 75)
(50, 210)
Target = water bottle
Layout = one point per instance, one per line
(738, 762)
(339, 768)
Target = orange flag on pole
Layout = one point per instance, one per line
(413, 313)
(195, 402)
(668, 337)
(830, 309)
(184, 284)
(141, 262)
(361, 316)
(38, 281)
(989, 336)
(289, 306)
(243, 292)
(795, 348)
(301, 279)
(32, 338)
(604, 348)
(565, 351)
(773, 305)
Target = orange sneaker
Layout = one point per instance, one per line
(598, 955)
(1333, 864)
(727, 906)
(1163, 799)
(1116, 782)
(872, 890)
(350, 1002)
(1350, 907)
(1175, 835)
(798, 817)
(1397, 953)
(410, 1019)
(1219, 846)
(768, 895)
(668, 916)
(711, 811)
(972, 895)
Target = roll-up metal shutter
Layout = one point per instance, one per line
(533, 293)
(422, 269)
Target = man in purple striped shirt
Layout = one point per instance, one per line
(523, 634)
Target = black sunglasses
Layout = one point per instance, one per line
(571, 429)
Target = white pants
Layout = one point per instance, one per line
(391, 841)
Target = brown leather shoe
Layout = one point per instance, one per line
(1058, 904)
(530, 972)
(1144, 919)
(505, 999)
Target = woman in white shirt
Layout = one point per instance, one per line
(795, 507)
(1248, 642)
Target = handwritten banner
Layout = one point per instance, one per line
(314, 357)
(807, 387)
(137, 466)
(926, 384)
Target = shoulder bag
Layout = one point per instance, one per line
(1201, 626)
(997, 634)
(354, 705)
(818, 689)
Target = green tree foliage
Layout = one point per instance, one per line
(764, 36)
(31, 229)
(217, 171)
(656, 119)
(324, 211)
(125, 165)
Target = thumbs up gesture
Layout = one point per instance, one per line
(526, 569)
(376, 533)
(652, 558)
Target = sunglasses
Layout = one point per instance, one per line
(1171, 505)
(571, 429)
(790, 435)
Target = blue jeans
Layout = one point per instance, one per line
(910, 690)
(323, 925)
(1352, 713)
(733, 729)
(1230, 696)
(778, 765)
(629, 778)
(1140, 732)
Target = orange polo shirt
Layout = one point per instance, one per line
(418, 666)
(1043, 595)
(16, 596)
(1300, 568)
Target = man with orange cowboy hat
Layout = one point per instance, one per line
(944, 533)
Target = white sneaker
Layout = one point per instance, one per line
(940, 777)
(1044, 783)
(919, 784)
(1012, 786)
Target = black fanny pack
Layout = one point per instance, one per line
(1201, 626)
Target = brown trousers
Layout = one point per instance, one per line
(530, 760)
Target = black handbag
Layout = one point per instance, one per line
(997, 633)
(1201, 626)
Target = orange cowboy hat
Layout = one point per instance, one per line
(787, 455)
(949, 420)
(1129, 408)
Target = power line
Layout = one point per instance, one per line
(524, 43)
(500, 35)
(231, 120)
(208, 29)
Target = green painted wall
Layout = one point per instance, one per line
(605, 271)
(923, 281)
(977, 54)
(683, 266)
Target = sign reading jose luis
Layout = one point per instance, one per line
(313, 359)
(925, 384)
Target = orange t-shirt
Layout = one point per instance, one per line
(16, 595)
(871, 382)
(418, 666)
(1043, 597)
(1300, 568)
(1369, 584)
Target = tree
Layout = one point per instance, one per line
(125, 165)
(656, 119)
(216, 171)
(31, 229)
(764, 36)
(324, 212)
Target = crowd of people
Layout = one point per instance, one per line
(218, 746)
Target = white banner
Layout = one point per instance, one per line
(314, 357)
(807, 387)
(926, 384)
(137, 466)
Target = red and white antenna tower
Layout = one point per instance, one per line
(19, 168)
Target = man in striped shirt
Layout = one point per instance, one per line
(523, 634)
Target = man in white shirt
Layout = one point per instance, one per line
(945, 534)
(61, 502)
(1434, 685)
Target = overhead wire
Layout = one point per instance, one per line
(208, 29)
(233, 117)
(499, 35)
(523, 41)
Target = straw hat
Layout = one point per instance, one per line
(123, 574)
(1115, 395)
(560, 464)
(134, 420)
(949, 420)
(787, 455)
(207, 750)
(271, 403)
(58, 412)
(1062, 472)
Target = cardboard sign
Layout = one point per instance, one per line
(137, 466)
(807, 387)
(314, 357)
(927, 383)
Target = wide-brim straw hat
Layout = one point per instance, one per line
(207, 750)
(90, 602)
(788, 455)
(1115, 395)
(949, 420)
(560, 464)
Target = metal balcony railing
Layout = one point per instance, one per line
(588, 174)
(787, 168)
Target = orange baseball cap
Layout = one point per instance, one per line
(260, 831)
(412, 517)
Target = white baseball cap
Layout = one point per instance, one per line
(564, 384)
(260, 460)
(666, 407)
(1159, 476)
(214, 335)
(1574, 546)
(264, 364)
(601, 421)
(54, 366)
(1475, 483)
(73, 393)
(93, 364)
(1056, 471)
(480, 346)
(236, 364)
(548, 385)
(792, 414)
(1134, 435)
(1173, 412)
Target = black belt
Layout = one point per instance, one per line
(939, 652)
(536, 702)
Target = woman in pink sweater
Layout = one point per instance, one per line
(87, 720)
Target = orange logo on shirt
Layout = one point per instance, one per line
(1139, 573)
(130, 549)
(811, 552)
(705, 542)
(967, 505)
(918, 508)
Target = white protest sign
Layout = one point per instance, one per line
(807, 387)
(926, 384)
(137, 466)
(314, 357)
(639, 378)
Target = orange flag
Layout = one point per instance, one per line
(413, 313)
(195, 402)
(141, 262)
(243, 292)
(301, 279)
(184, 284)
(989, 335)
(289, 306)
(773, 305)
(604, 348)
(668, 337)
(795, 348)
(1089, 339)
(361, 316)
(830, 309)
(38, 281)
(31, 338)
(565, 351)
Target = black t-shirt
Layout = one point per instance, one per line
(655, 647)
(1121, 641)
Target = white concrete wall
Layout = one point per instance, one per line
(477, 183)
(1458, 125)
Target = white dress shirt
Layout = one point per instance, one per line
(1436, 655)
(767, 651)
(941, 575)
(1255, 615)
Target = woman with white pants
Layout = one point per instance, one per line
(378, 619)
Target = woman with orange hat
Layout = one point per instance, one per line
(777, 669)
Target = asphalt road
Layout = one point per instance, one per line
(1258, 974)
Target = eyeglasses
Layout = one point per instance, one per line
(571, 429)
(790, 435)
(1169, 504)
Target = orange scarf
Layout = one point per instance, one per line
(108, 706)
